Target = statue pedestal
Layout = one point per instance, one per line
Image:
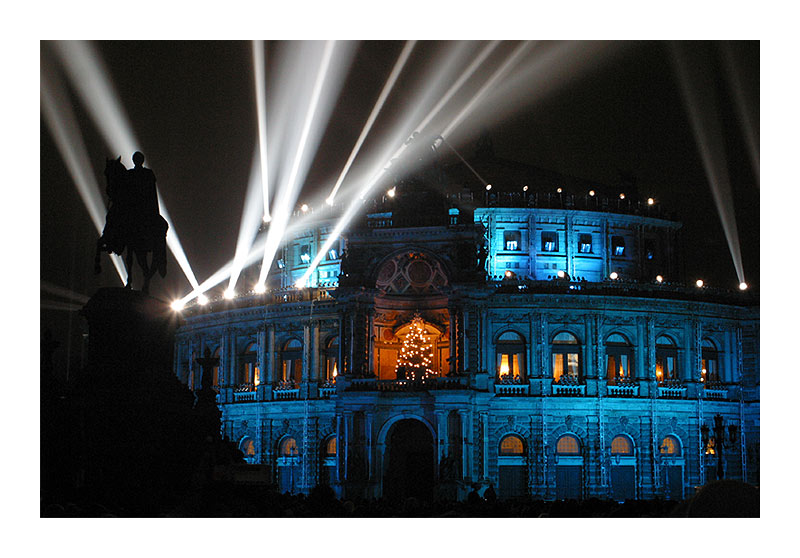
(141, 437)
(128, 330)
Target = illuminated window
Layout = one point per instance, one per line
(566, 360)
(333, 254)
(332, 360)
(248, 447)
(215, 370)
(305, 253)
(617, 246)
(292, 362)
(666, 359)
(510, 357)
(288, 447)
(249, 373)
(621, 445)
(330, 447)
(549, 241)
(568, 445)
(709, 365)
(281, 263)
(512, 445)
(619, 358)
(585, 243)
(511, 240)
(670, 446)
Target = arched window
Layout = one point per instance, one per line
(288, 447)
(249, 376)
(709, 372)
(328, 461)
(292, 362)
(288, 465)
(215, 370)
(670, 446)
(619, 358)
(566, 359)
(568, 444)
(621, 445)
(332, 360)
(512, 469)
(666, 360)
(512, 445)
(248, 448)
(510, 357)
(330, 447)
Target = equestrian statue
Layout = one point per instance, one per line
(133, 222)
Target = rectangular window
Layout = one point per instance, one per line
(511, 240)
(617, 246)
(332, 254)
(305, 253)
(585, 244)
(649, 249)
(549, 242)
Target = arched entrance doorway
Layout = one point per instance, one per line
(409, 462)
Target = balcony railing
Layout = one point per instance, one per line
(285, 394)
(622, 387)
(568, 385)
(715, 391)
(435, 383)
(511, 389)
(326, 390)
(244, 392)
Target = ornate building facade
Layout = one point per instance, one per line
(531, 337)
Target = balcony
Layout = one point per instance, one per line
(244, 392)
(326, 390)
(716, 391)
(569, 386)
(285, 391)
(623, 387)
(511, 386)
(671, 389)
(429, 384)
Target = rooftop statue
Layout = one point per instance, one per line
(133, 222)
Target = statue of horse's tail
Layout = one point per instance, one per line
(160, 251)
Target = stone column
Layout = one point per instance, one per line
(466, 444)
(441, 436)
(271, 364)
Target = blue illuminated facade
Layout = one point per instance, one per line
(548, 379)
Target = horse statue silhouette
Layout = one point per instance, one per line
(133, 222)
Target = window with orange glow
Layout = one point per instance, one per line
(248, 447)
(566, 357)
(670, 446)
(568, 445)
(512, 445)
(621, 445)
(288, 447)
(330, 447)
(511, 356)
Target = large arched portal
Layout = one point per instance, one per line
(409, 461)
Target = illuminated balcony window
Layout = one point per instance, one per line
(585, 244)
(511, 240)
(617, 246)
(549, 242)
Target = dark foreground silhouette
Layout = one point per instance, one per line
(228, 500)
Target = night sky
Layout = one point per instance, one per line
(192, 107)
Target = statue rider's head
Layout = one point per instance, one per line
(138, 159)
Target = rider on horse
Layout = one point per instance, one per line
(133, 220)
